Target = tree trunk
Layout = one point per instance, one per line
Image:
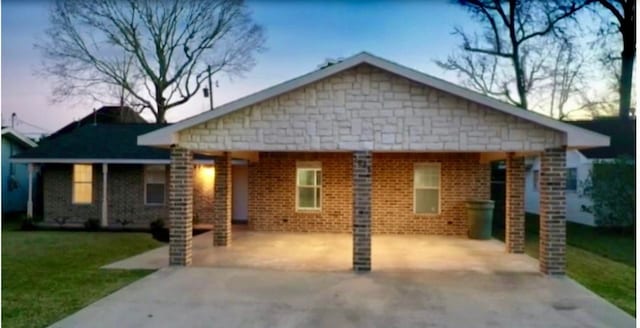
(626, 78)
(161, 106)
(520, 81)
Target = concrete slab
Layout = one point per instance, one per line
(219, 297)
(332, 252)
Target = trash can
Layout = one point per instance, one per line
(480, 216)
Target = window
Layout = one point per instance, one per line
(82, 184)
(308, 186)
(536, 179)
(154, 182)
(572, 179)
(426, 185)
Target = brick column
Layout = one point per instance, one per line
(222, 201)
(514, 205)
(362, 211)
(180, 206)
(552, 211)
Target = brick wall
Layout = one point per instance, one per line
(365, 108)
(203, 195)
(462, 178)
(272, 191)
(125, 197)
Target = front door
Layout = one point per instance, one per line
(240, 192)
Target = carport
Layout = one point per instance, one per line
(331, 252)
(369, 148)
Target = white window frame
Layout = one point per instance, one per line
(74, 182)
(317, 168)
(566, 188)
(148, 168)
(439, 188)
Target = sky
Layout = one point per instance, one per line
(300, 35)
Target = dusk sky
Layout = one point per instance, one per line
(300, 36)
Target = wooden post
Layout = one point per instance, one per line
(30, 199)
(104, 221)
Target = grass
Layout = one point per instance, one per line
(47, 275)
(600, 260)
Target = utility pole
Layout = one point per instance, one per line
(13, 119)
(210, 88)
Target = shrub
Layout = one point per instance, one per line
(611, 189)
(124, 222)
(159, 231)
(92, 224)
(61, 220)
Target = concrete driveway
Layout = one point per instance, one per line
(228, 297)
(333, 252)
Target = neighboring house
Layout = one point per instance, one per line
(15, 177)
(99, 172)
(579, 164)
(367, 146)
(103, 115)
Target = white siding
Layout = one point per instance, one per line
(574, 199)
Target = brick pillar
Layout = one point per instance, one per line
(222, 201)
(362, 211)
(514, 205)
(180, 206)
(552, 212)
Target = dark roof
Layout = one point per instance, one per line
(102, 141)
(105, 115)
(622, 134)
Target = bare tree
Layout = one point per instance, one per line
(512, 32)
(623, 14)
(566, 78)
(155, 52)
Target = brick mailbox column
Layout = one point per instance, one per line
(222, 201)
(362, 211)
(180, 206)
(514, 216)
(552, 211)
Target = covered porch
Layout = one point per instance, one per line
(370, 244)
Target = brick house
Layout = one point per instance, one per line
(97, 171)
(369, 146)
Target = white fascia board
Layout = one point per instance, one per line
(576, 137)
(20, 137)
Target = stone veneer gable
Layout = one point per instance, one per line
(366, 108)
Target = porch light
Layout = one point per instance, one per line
(206, 173)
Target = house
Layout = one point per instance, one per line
(97, 171)
(103, 115)
(15, 177)
(579, 163)
(368, 146)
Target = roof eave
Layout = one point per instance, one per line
(575, 137)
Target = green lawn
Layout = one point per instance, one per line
(47, 275)
(600, 260)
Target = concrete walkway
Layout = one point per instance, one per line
(332, 252)
(218, 297)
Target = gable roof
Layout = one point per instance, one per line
(622, 134)
(576, 136)
(18, 137)
(101, 143)
(105, 115)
